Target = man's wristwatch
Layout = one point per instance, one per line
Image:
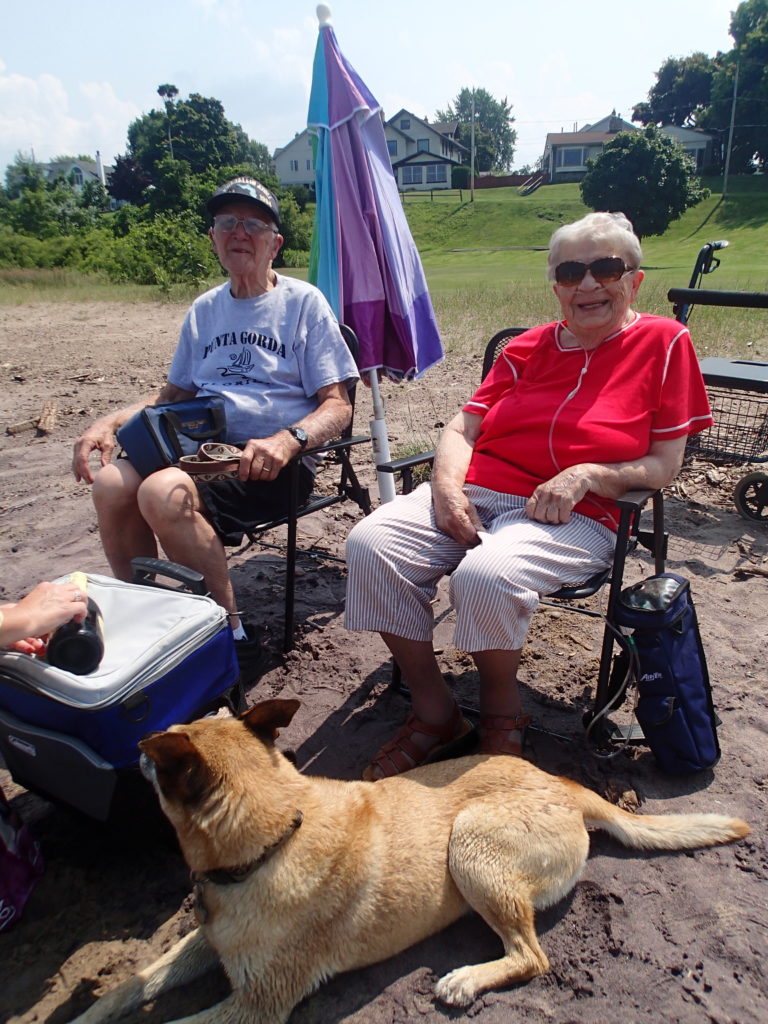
(299, 434)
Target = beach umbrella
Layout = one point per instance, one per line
(363, 257)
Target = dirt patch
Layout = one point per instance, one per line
(679, 938)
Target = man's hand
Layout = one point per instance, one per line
(456, 515)
(554, 500)
(264, 457)
(99, 436)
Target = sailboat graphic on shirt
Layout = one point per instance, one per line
(242, 365)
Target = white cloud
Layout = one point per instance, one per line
(38, 114)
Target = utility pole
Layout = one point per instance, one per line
(730, 130)
(472, 152)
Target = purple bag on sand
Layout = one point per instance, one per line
(21, 864)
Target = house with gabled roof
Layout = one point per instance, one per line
(294, 163)
(566, 153)
(422, 154)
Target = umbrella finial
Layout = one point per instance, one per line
(323, 15)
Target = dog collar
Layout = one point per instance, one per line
(235, 875)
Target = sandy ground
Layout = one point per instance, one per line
(674, 938)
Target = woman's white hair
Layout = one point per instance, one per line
(611, 228)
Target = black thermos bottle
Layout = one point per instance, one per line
(78, 647)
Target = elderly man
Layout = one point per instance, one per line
(270, 346)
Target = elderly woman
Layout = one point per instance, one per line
(572, 415)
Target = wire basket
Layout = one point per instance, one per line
(740, 433)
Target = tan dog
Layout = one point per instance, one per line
(299, 878)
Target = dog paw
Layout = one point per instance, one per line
(457, 988)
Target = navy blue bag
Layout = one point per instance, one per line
(674, 706)
(157, 436)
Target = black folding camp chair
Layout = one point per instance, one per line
(337, 453)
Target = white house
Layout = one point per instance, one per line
(294, 164)
(566, 153)
(700, 147)
(77, 172)
(421, 154)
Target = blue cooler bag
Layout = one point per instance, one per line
(674, 704)
(168, 657)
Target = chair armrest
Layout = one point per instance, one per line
(333, 446)
(407, 462)
(636, 499)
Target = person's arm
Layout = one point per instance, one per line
(264, 457)
(554, 500)
(101, 434)
(454, 513)
(43, 609)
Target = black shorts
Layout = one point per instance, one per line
(233, 507)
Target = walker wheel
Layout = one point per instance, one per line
(751, 497)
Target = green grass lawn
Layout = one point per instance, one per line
(485, 263)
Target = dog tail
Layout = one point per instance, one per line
(659, 831)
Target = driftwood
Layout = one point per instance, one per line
(19, 428)
(48, 416)
(45, 423)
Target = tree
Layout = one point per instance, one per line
(168, 94)
(494, 136)
(128, 181)
(682, 91)
(749, 29)
(644, 175)
(202, 136)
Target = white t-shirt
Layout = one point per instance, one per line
(267, 357)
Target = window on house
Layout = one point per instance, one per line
(309, 165)
(77, 177)
(422, 145)
(436, 173)
(294, 165)
(392, 147)
(412, 175)
(572, 156)
(405, 124)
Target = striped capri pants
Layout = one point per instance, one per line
(396, 556)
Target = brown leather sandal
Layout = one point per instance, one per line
(401, 754)
(496, 734)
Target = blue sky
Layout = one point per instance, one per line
(73, 76)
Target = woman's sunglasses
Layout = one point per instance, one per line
(606, 270)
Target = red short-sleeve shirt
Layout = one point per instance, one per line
(547, 406)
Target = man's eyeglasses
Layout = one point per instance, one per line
(253, 226)
(606, 270)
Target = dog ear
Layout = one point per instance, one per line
(266, 718)
(182, 773)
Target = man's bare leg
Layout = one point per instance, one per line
(170, 504)
(123, 530)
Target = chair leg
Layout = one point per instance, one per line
(602, 695)
(290, 560)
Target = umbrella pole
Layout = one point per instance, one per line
(380, 440)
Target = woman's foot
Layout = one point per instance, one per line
(417, 743)
(500, 735)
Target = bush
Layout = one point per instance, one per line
(295, 257)
(460, 177)
(166, 250)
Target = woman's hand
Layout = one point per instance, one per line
(456, 515)
(43, 609)
(554, 500)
